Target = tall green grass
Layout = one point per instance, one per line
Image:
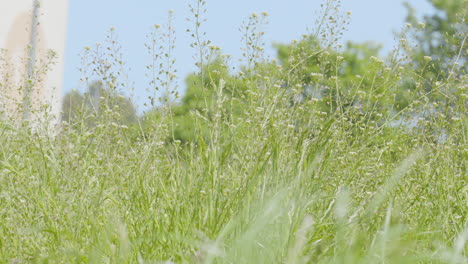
(264, 178)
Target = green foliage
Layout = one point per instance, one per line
(73, 103)
(351, 80)
(250, 167)
(441, 36)
(96, 104)
(440, 49)
(202, 96)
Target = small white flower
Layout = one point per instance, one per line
(315, 74)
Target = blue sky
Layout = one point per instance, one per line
(89, 20)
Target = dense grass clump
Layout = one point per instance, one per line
(324, 156)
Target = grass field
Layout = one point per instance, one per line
(341, 178)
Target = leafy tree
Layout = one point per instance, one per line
(440, 57)
(442, 37)
(352, 80)
(199, 99)
(341, 79)
(72, 106)
(96, 104)
(303, 63)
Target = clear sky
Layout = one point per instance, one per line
(89, 20)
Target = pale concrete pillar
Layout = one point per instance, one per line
(16, 22)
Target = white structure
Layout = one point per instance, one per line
(30, 82)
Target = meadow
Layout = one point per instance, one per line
(326, 154)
